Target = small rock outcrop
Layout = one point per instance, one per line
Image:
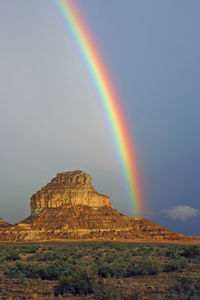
(3, 223)
(68, 188)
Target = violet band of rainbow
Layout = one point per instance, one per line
(108, 98)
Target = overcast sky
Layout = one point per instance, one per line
(51, 120)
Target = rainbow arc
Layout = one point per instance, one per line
(108, 98)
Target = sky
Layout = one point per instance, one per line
(51, 120)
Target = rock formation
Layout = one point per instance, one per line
(3, 223)
(68, 188)
(69, 208)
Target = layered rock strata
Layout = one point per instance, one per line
(68, 188)
(86, 223)
(69, 208)
(3, 223)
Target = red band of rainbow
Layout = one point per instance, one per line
(108, 97)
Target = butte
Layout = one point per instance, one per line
(68, 208)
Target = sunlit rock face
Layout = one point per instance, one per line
(3, 223)
(68, 188)
(68, 208)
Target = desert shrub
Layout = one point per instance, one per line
(159, 252)
(120, 269)
(29, 249)
(184, 289)
(44, 256)
(67, 271)
(49, 272)
(144, 251)
(4, 293)
(146, 266)
(127, 269)
(111, 257)
(31, 257)
(95, 247)
(171, 252)
(197, 285)
(79, 283)
(105, 271)
(29, 270)
(175, 265)
(134, 252)
(186, 283)
(78, 254)
(116, 269)
(118, 248)
(191, 251)
(21, 277)
(2, 259)
(52, 255)
(74, 261)
(12, 254)
(106, 244)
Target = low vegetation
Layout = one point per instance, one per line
(102, 270)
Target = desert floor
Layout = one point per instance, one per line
(99, 270)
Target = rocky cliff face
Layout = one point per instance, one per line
(68, 188)
(69, 208)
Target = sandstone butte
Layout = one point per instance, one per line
(68, 208)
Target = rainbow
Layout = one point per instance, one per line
(108, 98)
